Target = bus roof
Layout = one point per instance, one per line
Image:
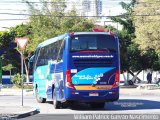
(100, 33)
(50, 41)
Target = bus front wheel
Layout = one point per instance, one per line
(56, 104)
(38, 98)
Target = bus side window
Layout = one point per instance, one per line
(60, 51)
(36, 58)
(31, 63)
(41, 58)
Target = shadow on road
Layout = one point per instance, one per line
(133, 104)
(123, 104)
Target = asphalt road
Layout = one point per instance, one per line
(127, 104)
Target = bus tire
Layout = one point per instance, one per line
(38, 98)
(97, 105)
(56, 104)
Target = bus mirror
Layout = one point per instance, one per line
(30, 63)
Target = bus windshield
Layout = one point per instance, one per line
(93, 42)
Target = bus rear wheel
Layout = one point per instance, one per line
(97, 105)
(38, 98)
(56, 104)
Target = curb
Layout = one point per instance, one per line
(19, 116)
(33, 112)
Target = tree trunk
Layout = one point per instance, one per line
(135, 75)
(124, 77)
(125, 80)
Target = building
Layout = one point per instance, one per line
(86, 8)
(100, 8)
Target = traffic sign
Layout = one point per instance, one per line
(22, 42)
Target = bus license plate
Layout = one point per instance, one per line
(93, 94)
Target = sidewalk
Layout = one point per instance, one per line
(13, 111)
(12, 91)
(139, 92)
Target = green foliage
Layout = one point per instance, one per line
(7, 67)
(147, 27)
(151, 60)
(54, 22)
(111, 28)
(24, 30)
(5, 38)
(133, 58)
(8, 57)
(129, 51)
(16, 80)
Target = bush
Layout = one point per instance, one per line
(16, 80)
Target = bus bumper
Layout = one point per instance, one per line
(92, 96)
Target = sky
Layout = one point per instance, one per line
(112, 7)
(9, 7)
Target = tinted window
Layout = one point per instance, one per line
(52, 52)
(93, 42)
(42, 57)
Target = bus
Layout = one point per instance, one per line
(77, 67)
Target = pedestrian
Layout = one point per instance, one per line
(149, 77)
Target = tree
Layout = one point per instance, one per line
(132, 58)
(46, 22)
(50, 20)
(147, 24)
(9, 54)
(24, 30)
(130, 55)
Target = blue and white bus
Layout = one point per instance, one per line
(77, 67)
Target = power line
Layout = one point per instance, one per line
(12, 19)
(13, 10)
(55, 2)
(76, 16)
(38, 2)
(29, 2)
(68, 2)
